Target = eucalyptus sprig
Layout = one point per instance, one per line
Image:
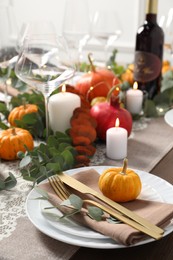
(49, 158)
(162, 101)
(34, 122)
(75, 205)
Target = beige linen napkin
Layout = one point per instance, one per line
(156, 212)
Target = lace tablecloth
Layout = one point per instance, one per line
(145, 149)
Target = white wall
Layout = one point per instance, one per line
(131, 15)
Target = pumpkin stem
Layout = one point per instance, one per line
(117, 86)
(91, 62)
(13, 131)
(24, 102)
(124, 166)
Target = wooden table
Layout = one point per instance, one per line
(160, 250)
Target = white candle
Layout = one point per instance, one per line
(134, 99)
(116, 142)
(60, 109)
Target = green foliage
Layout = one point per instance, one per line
(34, 122)
(48, 158)
(75, 205)
(9, 73)
(162, 101)
(113, 65)
(8, 183)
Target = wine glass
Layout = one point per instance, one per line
(44, 63)
(76, 27)
(8, 36)
(105, 28)
(166, 22)
(34, 27)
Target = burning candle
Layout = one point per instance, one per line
(134, 99)
(116, 142)
(61, 107)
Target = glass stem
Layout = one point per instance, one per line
(46, 99)
(6, 94)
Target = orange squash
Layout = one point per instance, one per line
(120, 184)
(17, 113)
(128, 74)
(14, 140)
(96, 82)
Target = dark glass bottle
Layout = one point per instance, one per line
(149, 52)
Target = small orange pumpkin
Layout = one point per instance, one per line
(128, 74)
(12, 141)
(120, 184)
(18, 112)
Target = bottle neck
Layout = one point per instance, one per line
(151, 7)
(152, 18)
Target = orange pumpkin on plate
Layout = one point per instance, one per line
(120, 184)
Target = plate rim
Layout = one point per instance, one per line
(166, 117)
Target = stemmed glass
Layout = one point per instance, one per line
(166, 22)
(44, 63)
(105, 28)
(76, 27)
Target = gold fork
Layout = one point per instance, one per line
(62, 192)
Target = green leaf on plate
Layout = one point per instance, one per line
(95, 213)
(42, 192)
(76, 201)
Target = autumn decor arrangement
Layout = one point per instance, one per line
(102, 93)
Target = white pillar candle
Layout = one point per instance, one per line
(116, 142)
(134, 99)
(60, 109)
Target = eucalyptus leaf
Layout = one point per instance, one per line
(43, 170)
(25, 161)
(30, 118)
(63, 146)
(52, 141)
(54, 167)
(150, 108)
(76, 201)
(113, 220)
(50, 215)
(3, 126)
(2, 185)
(9, 183)
(68, 158)
(95, 213)
(42, 192)
(66, 203)
(20, 155)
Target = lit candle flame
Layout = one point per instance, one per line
(135, 85)
(63, 88)
(117, 122)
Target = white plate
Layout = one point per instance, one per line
(154, 188)
(169, 117)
